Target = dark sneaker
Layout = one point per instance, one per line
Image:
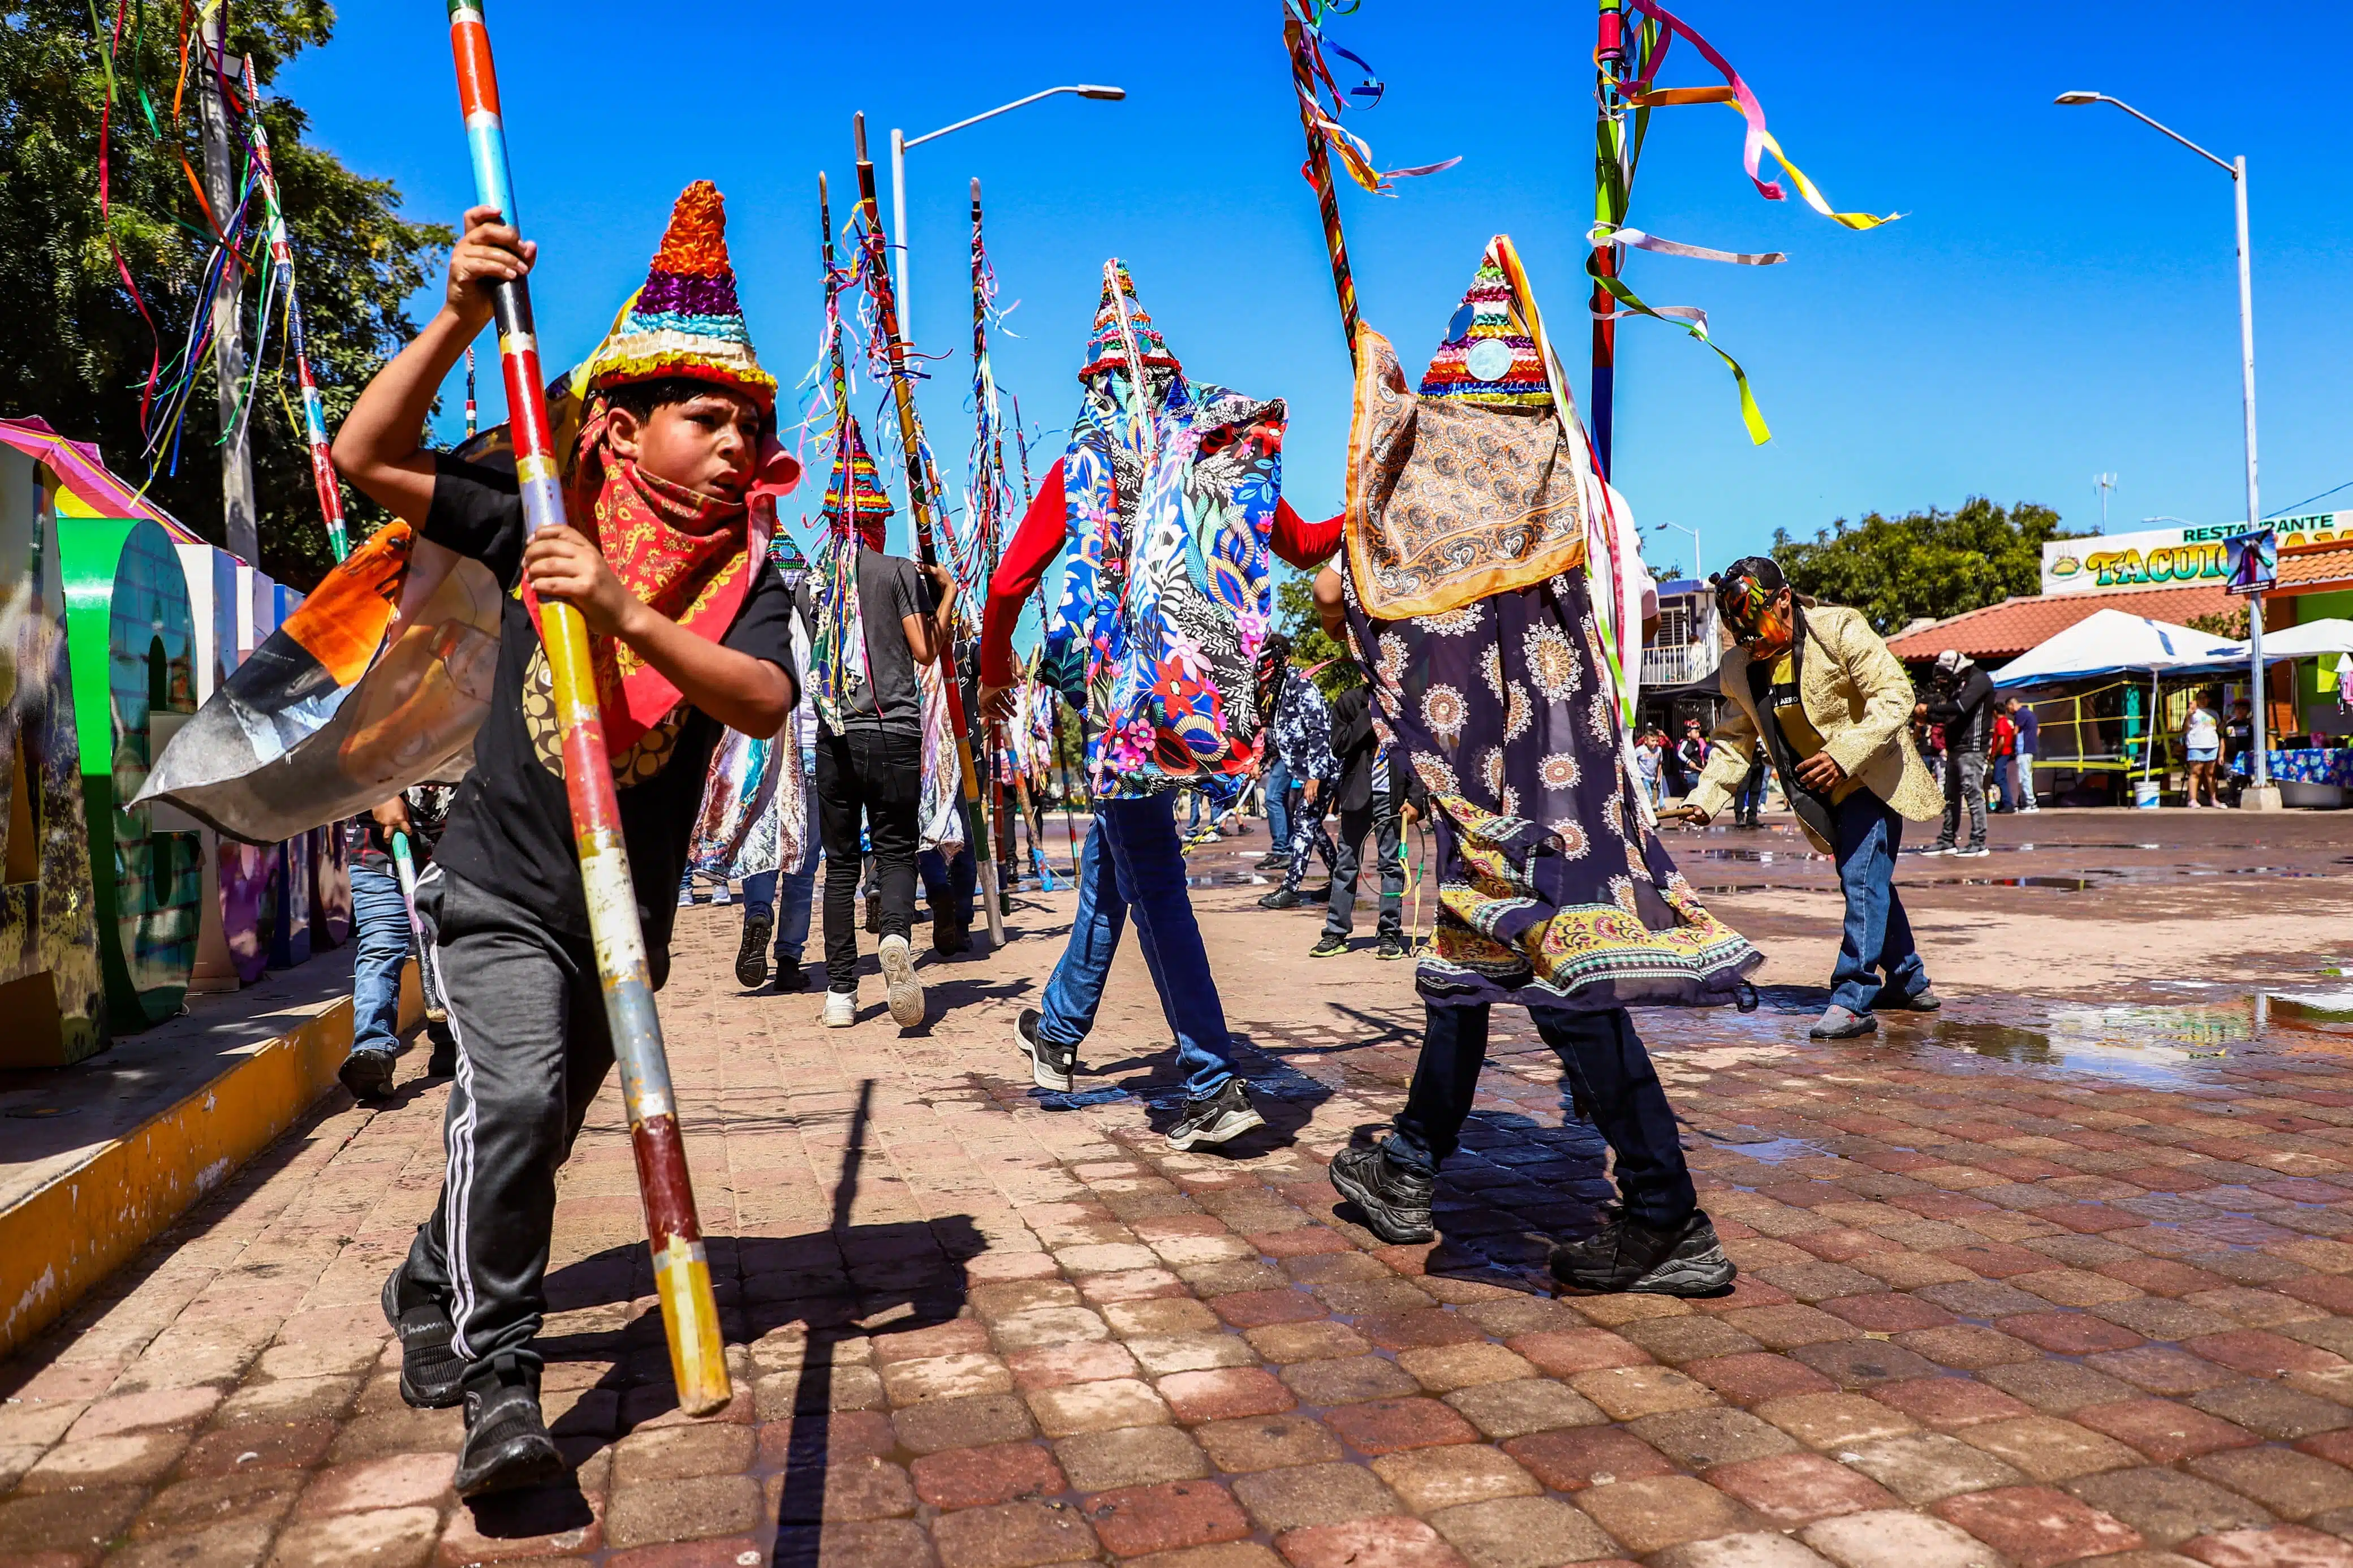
(873, 912)
(431, 1373)
(951, 935)
(443, 1062)
(1330, 947)
(1395, 1202)
(1626, 1255)
(793, 976)
(1974, 852)
(367, 1073)
(1051, 1066)
(1281, 899)
(1391, 946)
(1837, 1024)
(1939, 847)
(752, 953)
(1227, 1113)
(507, 1447)
(1272, 861)
(1921, 1001)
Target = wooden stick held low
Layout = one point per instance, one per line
(698, 1355)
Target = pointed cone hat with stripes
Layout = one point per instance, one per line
(1490, 355)
(854, 482)
(686, 321)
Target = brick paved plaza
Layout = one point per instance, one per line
(2055, 1277)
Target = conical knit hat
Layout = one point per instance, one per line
(686, 321)
(870, 503)
(1489, 355)
(1106, 351)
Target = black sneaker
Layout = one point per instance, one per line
(1391, 946)
(873, 913)
(1330, 947)
(1281, 899)
(1626, 1255)
(507, 1447)
(1227, 1113)
(1921, 1001)
(1051, 1066)
(951, 935)
(1395, 1202)
(1272, 861)
(367, 1073)
(791, 976)
(752, 953)
(431, 1373)
(443, 1062)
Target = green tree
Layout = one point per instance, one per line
(74, 347)
(1295, 616)
(1928, 563)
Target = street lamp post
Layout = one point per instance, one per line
(901, 142)
(2260, 794)
(1699, 568)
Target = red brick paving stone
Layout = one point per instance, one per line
(394, 1538)
(1949, 1403)
(135, 1412)
(2038, 1527)
(1660, 1511)
(1013, 1535)
(1747, 1291)
(1390, 1425)
(963, 1423)
(1256, 1309)
(1227, 1555)
(1412, 1330)
(2334, 1446)
(1581, 1457)
(974, 1478)
(1565, 1352)
(1060, 1365)
(1996, 1259)
(1305, 1241)
(2261, 1354)
(2160, 1369)
(2068, 1333)
(1752, 1377)
(2164, 1429)
(1888, 1312)
(963, 1336)
(730, 1552)
(295, 1446)
(1224, 1395)
(1792, 1489)
(2281, 1546)
(398, 1480)
(1392, 1542)
(685, 1509)
(519, 1527)
(2091, 1219)
(1307, 1495)
(1138, 1519)
(2161, 1275)
(2333, 1293)
(2294, 1486)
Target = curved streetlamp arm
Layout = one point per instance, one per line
(2222, 164)
(1006, 109)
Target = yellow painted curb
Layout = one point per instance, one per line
(58, 1243)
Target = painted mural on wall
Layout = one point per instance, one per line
(51, 993)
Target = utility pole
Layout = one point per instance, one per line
(223, 179)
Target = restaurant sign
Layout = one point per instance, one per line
(2181, 557)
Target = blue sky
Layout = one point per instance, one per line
(2060, 299)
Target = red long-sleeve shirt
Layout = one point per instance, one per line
(1040, 539)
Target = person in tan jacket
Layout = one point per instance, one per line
(1817, 691)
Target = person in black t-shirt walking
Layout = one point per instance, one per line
(690, 631)
(874, 620)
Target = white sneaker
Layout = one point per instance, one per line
(901, 988)
(840, 1009)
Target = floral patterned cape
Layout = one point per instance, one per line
(1167, 592)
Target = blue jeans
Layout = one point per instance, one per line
(1278, 805)
(949, 884)
(798, 888)
(380, 922)
(1878, 935)
(1134, 862)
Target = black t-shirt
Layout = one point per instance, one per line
(890, 589)
(510, 828)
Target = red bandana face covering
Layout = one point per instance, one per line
(681, 551)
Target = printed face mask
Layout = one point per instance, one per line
(1759, 618)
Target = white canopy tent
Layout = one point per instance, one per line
(2314, 639)
(2111, 642)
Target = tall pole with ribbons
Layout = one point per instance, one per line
(281, 255)
(919, 507)
(1608, 208)
(1319, 174)
(681, 1269)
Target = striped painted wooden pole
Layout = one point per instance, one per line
(1319, 172)
(698, 1355)
(281, 255)
(919, 507)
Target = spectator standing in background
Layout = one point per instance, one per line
(1692, 754)
(2027, 727)
(2201, 743)
(1963, 709)
(2001, 793)
(1649, 758)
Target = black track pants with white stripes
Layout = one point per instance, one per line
(532, 1050)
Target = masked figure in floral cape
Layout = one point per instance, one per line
(1492, 590)
(1167, 508)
